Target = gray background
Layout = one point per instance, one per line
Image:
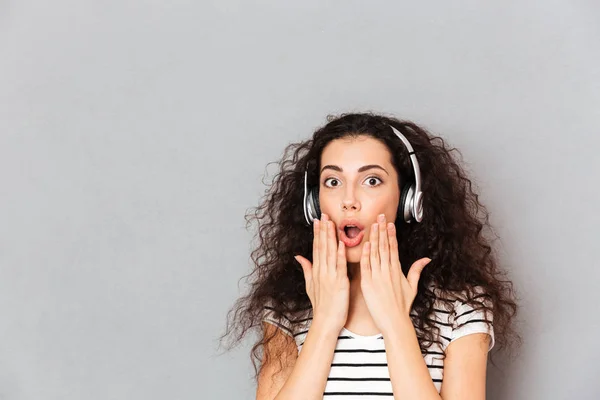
(134, 136)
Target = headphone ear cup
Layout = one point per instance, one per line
(314, 193)
(312, 205)
(405, 201)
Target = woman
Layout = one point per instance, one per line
(372, 276)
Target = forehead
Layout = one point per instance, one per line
(351, 153)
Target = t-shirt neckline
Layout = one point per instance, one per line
(357, 336)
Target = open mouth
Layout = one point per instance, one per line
(351, 235)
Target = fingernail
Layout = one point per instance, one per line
(381, 217)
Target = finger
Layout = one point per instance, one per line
(331, 247)
(396, 273)
(365, 267)
(323, 244)
(341, 259)
(374, 247)
(393, 241)
(384, 246)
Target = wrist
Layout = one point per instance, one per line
(399, 324)
(324, 329)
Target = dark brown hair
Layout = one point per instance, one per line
(452, 234)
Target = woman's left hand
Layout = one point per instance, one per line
(388, 293)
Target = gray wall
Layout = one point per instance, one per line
(134, 135)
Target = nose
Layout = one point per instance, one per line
(350, 202)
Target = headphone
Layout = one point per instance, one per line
(411, 197)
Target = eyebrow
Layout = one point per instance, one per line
(361, 169)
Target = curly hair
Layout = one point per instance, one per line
(451, 234)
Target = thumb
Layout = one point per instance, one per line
(306, 267)
(415, 272)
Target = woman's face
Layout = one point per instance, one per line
(357, 181)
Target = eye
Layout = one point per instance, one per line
(329, 179)
(371, 178)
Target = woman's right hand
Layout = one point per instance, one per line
(327, 283)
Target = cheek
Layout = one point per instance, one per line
(328, 204)
(389, 208)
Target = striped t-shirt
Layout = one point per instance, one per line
(359, 368)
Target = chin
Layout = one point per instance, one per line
(353, 254)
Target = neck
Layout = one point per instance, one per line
(359, 318)
(356, 297)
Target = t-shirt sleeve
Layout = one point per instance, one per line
(470, 319)
(283, 322)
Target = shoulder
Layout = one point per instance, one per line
(473, 313)
(464, 313)
(294, 324)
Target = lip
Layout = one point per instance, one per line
(351, 221)
(351, 242)
(348, 242)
